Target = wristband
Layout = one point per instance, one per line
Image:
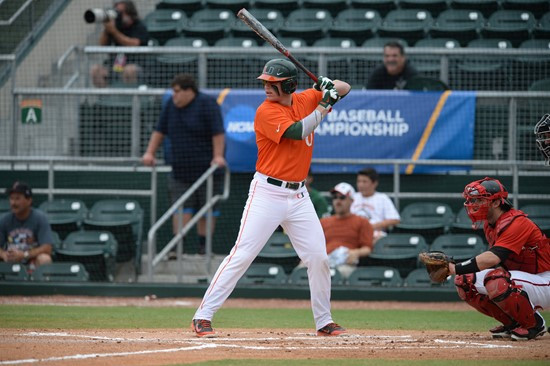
(469, 266)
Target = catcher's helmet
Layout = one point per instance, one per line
(542, 131)
(480, 193)
(281, 70)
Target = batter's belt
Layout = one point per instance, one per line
(290, 185)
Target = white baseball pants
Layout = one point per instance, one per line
(267, 207)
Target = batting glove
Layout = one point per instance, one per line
(323, 83)
(330, 97)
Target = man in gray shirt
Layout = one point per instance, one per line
(25, 234)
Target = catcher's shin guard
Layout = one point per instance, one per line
(468, 292)
(510, 298)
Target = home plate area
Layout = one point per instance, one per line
(165, 346)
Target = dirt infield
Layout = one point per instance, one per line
(168, 346)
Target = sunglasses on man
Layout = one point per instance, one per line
(339, 197)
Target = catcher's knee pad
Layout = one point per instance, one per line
(465, 285)
(509, 297)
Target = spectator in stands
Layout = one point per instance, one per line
(319, 202)
(126, 30)
(375, 206)
(25, 234)
(348, 236)
(193, 122)
(395, 70)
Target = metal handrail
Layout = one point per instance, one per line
(207, 176)
(16, 14)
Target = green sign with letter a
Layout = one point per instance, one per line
(31, 111)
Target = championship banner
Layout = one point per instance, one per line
(364, 125)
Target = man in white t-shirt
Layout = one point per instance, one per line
(375, 206)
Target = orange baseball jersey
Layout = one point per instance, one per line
(353, 232)
(285, 159)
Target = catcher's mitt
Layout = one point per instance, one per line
(437, 265)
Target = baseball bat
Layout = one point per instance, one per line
(266, 35)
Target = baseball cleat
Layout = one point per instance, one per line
(503, 331)
(203, 328)
(331, 330)
(522, 334)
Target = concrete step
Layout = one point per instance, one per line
(195, 268)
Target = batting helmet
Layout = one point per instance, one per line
(480, 193)
(283, 71)
(542, 131)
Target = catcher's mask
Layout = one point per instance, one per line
(479, 195)
(283, 71)
(542, 132)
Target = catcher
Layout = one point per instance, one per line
(509, 282)
(542, 131)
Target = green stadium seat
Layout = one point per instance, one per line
(96, 250)
(4, 206)
(272, 19)
(539, 212)
(540, 85)
(13, 272)
(338, 65)
(64, 215)
(170, 64)
(124, 219)
(381, 6)
(188, 6)
(433, 6)
(486, 7)
(234, 5)
(430, 64)
(121, 101)
(333, 6)
(420, 278)
(299, 277)
(534, 6)
(285, 6)
(61, 272)
(459, 246)
(263, 274)
(279, 250)
(484, 72)
(397, 250)
(163, 24)
(429, 219)
(423, 83)
(240, 63)
(375, 276)
(530, 68)
(409, 24)
(309, 24)
(462, 24)
(357, 24)
(542, 29)
(514, 25)
(462, 224)
(210, 24)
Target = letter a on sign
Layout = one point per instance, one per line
(31, 111)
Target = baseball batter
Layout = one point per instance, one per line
(511, 281)
(284, 127)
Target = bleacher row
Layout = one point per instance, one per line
(411, 20)
(108, 233)
(341, 24)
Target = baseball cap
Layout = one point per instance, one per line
(344, 188)
(19, 187)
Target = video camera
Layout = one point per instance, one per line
(100, 15)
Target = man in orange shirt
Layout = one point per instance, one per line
(284, 124)
(511, 281)
(349, 237)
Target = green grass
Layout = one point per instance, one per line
(79, 317)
